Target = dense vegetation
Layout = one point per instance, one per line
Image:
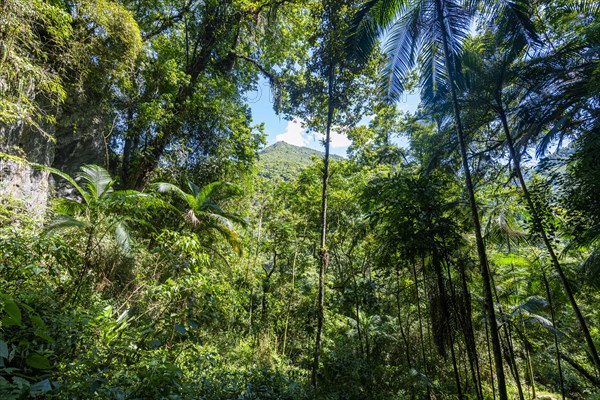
(283, 161)
(174, 259)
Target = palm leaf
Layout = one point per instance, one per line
(532, 305)
(164, 187)
(368, 24)
(85, 195)
(98, 180)
(64, 221)
(122, 237)
(68, 206)
(207, 191)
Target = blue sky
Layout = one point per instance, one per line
(279, 129)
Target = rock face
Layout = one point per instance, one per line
(66, 145)
(17, 179)
(80, 134)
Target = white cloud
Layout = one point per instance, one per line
(297, 135)
(294, 134)
(339, 139)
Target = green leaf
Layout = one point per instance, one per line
(44, 335)
(38, 322)
(13, 311)
(38, 361)
(99, 181)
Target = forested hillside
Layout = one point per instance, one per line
(153, 247)
(283, 161)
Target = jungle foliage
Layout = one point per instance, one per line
(453, 254)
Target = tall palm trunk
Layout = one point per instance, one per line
(323, 252)
(539, 227)
(483, 262)
(487, 341)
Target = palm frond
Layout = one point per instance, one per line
(98, 180)
(194, 189)
(544, 323)
(514, 23)
(63, 222)
(400, 44)
(68, 206)
(368, 24)
(164, 187)
(207, 191)
(532, 305)
(232, 238)
(590, 268)
(122, 237)
(84, 194)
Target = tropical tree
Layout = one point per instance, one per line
(492, 76)
(429, 34)
(202, 213)
(330, 93)
(94, 212)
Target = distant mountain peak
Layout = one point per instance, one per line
(284, 161)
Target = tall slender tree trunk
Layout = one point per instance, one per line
(483, 262)
(437, 265)
(323, 251)
(266, 288)
(513, 361)
(470, 334)
(419, 315)
(487, 341)
(405, 335)
(509, 349)
(539, 227)
(462, 311)
(530, 370)
(290, 301)
(556, 347)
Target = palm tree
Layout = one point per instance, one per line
(430, 34)
(94, 213)
(490, 77)
(203, 214)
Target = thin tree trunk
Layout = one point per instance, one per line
(399, 306)
(530, 369)
(487, 340)
(266, 288)
(402, 333)
(539, 227)
(470, 342)
(323, 252)
(509, 350)
(437, 264)
(291, 299)
(483, 262)
(87, 262)
(357, 313)
(424, 358)
(559, 367)
(455, 368)
(513, 361)
(467, 329)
